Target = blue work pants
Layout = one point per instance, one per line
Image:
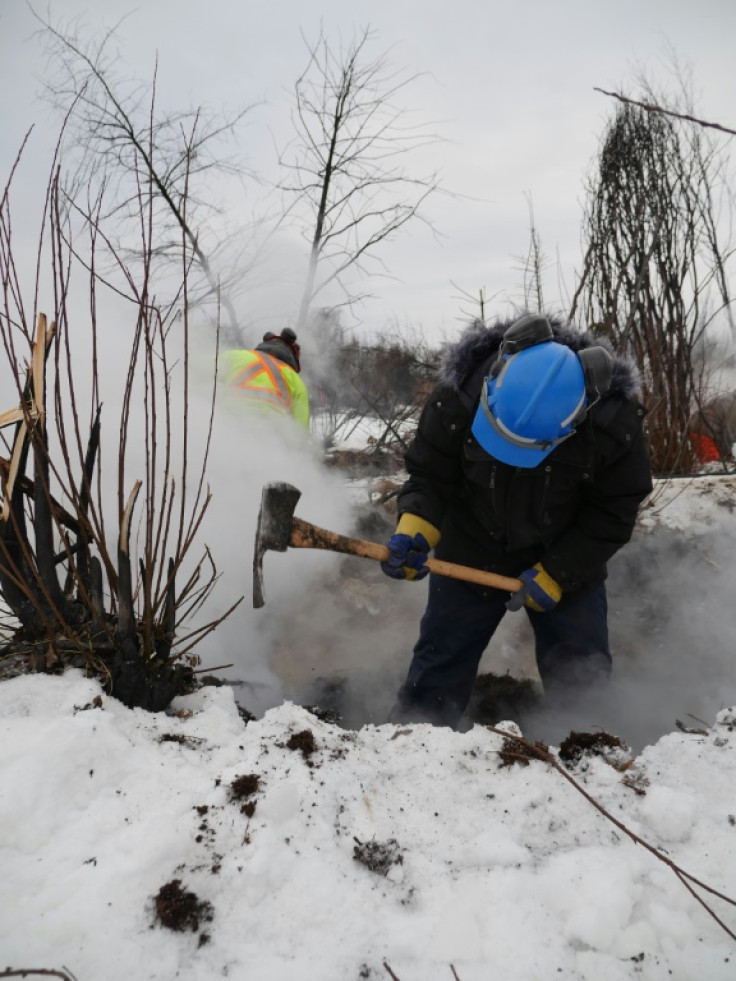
(571, 647)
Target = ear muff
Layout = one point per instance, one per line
(597, 365)
(525, 332)
(532, 329)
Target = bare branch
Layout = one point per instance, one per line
(119, 139)
(656, 263)
(650, 107)
(524, 750)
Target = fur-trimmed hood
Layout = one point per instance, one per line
(479, 342)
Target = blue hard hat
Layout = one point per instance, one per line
(531, 403)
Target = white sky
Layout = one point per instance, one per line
(509, 86)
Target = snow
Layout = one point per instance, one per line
(491, 869)
(392, 852)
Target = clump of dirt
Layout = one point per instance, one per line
(378, 856)
(513, 751)
(177, 737)
(498, 697)
(96, 703)
(580, 744)
(303, 742)
(180, 909)
(242, 789)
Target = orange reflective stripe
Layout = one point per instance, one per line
(265, 365)
(277, 378)
(262, 396)
(248, 374)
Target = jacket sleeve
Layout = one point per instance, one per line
(434, 458)
(606, 520)
(299, 399)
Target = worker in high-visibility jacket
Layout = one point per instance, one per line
(266, 380)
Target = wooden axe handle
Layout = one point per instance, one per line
(306, 535)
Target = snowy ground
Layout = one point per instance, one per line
(320, 853)
(289, 848)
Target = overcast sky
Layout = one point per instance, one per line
(508, 86)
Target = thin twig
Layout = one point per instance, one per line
(651, 107)
(26, 972)
(535, 751)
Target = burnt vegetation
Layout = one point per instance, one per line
(107, 589)
(386, 380)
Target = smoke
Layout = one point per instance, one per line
(672, 625)
(336, 632)
(346, 640)
(248, 451)
(673, 629)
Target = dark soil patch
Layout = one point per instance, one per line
(191, 742)
(513, 751)
(180, 909)
(498, 697)
(242, 790)
(326, 699)
(303, 742)
(379, 857)
(579, 744)
(329, 715)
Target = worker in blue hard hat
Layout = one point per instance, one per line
(529, 461)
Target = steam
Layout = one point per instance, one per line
(248, 451)
(346, 638)
(672, 625)
(337, 633)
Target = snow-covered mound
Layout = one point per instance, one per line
(289, 848)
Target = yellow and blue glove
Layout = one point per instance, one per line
(540, 591)
(409, 547)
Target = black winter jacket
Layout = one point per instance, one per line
(571, 513)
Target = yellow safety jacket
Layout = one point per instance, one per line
(265, 384)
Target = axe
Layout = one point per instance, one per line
(278, 530)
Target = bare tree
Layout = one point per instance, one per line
(348, 178)
(384, 382)
(655, 272)
(478, 304)
(116, 607)
(533, 265)
(118, 142)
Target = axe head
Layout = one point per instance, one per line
(278, 502)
